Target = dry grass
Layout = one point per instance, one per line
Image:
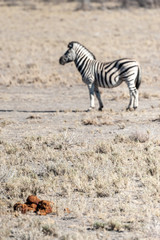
(4, 122)
(108, 177)
(34, 60)
(103, 177)
(148, 95)
(98, 121)
(142, 136)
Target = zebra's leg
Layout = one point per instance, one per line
(135, 104)
(130, 106)
(91, 94)
(133, 98)
(98, 95)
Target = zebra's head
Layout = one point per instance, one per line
(69, 55)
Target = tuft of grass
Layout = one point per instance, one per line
(146, 95)
(98, 225)
(103, 148)
(97, 121)
(140, 136)
(49, 230)
(113, 225)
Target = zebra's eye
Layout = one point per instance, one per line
(70, 45)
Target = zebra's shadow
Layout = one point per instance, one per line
(41, 111)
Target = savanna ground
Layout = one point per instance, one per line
(103, 166)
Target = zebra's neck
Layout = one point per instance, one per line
(83, 56)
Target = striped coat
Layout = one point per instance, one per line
(100, 74)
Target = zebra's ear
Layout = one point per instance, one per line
(70, 45)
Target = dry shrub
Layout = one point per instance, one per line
(140, 136)
(156, 95)
(49, 230)
(97, 121)
(147, 95)
(112, 225)
(141, 3)
(98, 225)
(103, 147)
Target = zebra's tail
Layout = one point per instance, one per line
(138, 78)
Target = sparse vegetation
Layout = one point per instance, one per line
(98, 121)
(100, 169)
(102, 172)
(141, 137)
(49, 231)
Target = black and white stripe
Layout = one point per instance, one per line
(107, 75)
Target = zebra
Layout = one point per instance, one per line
(106, 75)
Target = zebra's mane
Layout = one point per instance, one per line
(71, 44)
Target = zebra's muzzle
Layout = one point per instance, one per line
(62, 60)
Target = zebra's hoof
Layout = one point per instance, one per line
(89, 109)
(129, 109)
(135, 108)
(100, 109)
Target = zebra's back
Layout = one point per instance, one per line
(112, 74)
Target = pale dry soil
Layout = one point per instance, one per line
(103, 166)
